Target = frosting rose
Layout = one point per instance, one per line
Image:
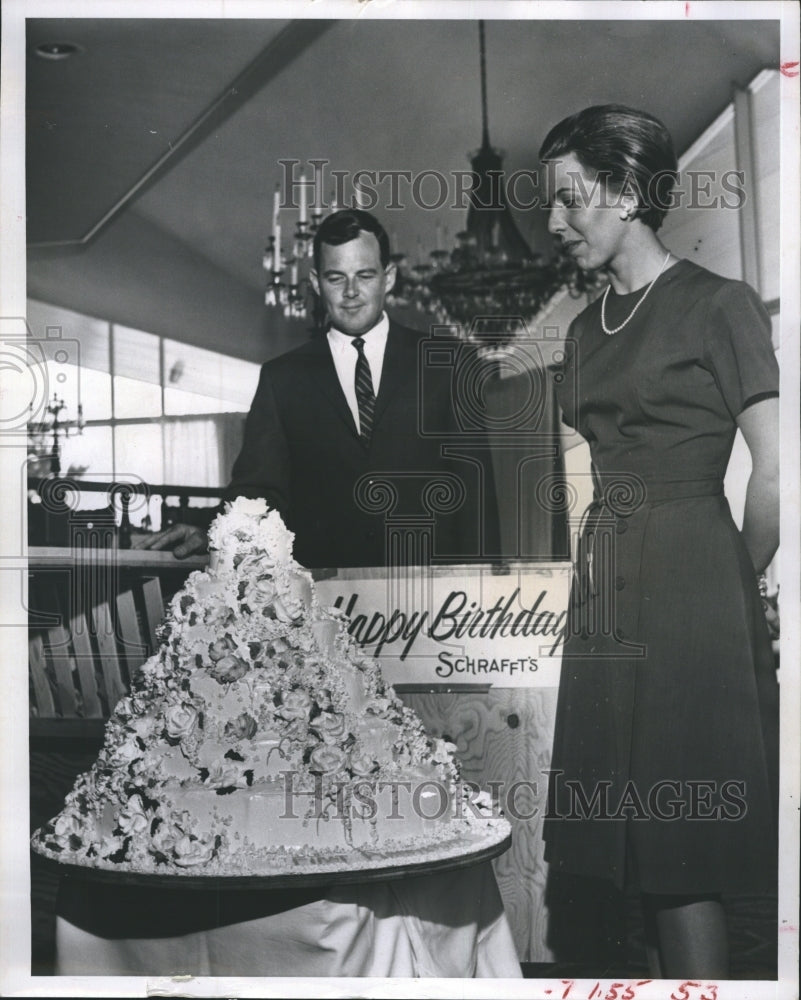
(247, 507)
(242, 518)
(362, 764)
(221, 648)
(251, 565)
(323, 698)
(188, 852)
(154, 670)
(265, 588)
(294, 598)
(124, 707)
(110, 845)
(243, 727)
(66, 826)
(164, 840)
(229, 669)
(275, 537)
(225, 775)
(139, 703)
(133, 819)
(287, 608)
(180, 720)
(143, 725)
(295, 705)
(124, 753)
(329, 726)
(148, 764)
(326, 759)
(277, 647)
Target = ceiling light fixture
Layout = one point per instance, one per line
(492, 288)
(57, 50)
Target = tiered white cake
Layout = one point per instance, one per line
(260, 740)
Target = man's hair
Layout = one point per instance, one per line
(344, 226)
(631, 150)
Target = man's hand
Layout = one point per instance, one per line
(184, 540)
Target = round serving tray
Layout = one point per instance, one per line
(299, 872)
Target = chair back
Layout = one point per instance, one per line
(88, 638)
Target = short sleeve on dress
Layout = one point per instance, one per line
(739, 348)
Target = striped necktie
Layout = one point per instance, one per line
(365, 397)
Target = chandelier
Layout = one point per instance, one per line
(491, 287)
(290, 291)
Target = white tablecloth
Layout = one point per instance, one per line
(449, 925)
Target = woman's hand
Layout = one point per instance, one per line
(770, 606)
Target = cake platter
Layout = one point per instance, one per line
(296, 870)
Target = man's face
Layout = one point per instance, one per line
(353, 284)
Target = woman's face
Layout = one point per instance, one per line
(587, 216)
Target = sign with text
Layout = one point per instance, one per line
(457, 624)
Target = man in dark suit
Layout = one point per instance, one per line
(345, 439)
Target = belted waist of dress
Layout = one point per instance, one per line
(626, 492)
(623, 495)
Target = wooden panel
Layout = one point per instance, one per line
(109, 661)
(57, 648)
(85, 661)
(38, 668)
(505, 736)
(63, 665)
(154, 610)
(133, 648)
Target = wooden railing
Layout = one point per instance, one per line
(93, 620)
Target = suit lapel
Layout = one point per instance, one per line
(325, 375)
(400, 364)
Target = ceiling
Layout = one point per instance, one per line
(110, 130)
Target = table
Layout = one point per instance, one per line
(450, 924)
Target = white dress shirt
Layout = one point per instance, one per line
(344, 354)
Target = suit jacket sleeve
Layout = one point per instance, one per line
(262, 467)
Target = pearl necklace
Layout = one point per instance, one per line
(640, 301)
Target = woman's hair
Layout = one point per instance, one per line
(344, 226)
(630, 150)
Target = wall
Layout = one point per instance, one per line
(741, 244)
(136, 274)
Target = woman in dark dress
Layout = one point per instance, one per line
(665, 749)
